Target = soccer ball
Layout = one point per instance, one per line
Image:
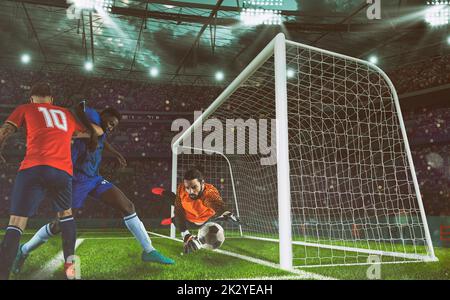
(211, 235)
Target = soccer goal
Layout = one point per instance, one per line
(327, 174)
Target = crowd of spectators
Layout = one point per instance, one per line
(136, 181)
(143, 141)
(428, 125)
(426, 74)
(147, 145)
(432, 165)
(101, 93)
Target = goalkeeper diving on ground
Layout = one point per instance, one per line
(196, 203)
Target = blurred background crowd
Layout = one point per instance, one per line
(145, 134)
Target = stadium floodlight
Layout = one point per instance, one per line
(290, 73)
(373, 59)
(219, 76)
(258, 16)
(437, 13)
(154, 72)
(25, 58)
(339, 187)
(88, 66)
(91, 5)
(107, 5)
(263, 3)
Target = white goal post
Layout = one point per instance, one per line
(342, 185)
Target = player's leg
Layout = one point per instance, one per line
(10, 244)
(39, 238)
(114, 197)
(26, 195)
(68, 234)
(80, 190)
(167, 198)
(62, 203)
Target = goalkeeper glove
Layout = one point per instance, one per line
(191, 243)
(229, 216)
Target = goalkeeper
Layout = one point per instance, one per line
(196, 203)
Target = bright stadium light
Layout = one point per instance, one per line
(25, 58)
(373, 59)
(263, 2)
(290, 73)
(219, 76)
(437, 13)
(89, 66)
(258, 16)
(104, 5)
(154, 72)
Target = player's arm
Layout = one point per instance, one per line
(15, 120)
(85, 135)
(80, 118)
(214, 201)
(109, 148)
(190, 241)
(6, 131)
(180, 218)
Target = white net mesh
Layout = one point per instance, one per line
(352, 191)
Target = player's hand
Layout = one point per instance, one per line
(191, 243)
(122, 160)
(229, 216)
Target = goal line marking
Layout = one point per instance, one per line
(52, 265)
(300, 274)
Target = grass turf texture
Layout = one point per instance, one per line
(114, 254)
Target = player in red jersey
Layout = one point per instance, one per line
(45, 171)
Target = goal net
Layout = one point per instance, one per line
(308, 147)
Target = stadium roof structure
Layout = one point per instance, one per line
(188, 41)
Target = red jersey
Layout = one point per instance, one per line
(49, 131)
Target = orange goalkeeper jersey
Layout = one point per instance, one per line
(200, 210)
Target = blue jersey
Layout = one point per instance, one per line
(85, 162)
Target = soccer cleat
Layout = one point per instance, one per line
(69, 271)
(155, 256)
(19, 261)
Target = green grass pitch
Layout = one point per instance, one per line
(115, 254)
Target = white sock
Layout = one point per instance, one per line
(39, 238)
(138, 230)
(184, 233)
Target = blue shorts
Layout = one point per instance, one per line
(34, 184)
(82, 186)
